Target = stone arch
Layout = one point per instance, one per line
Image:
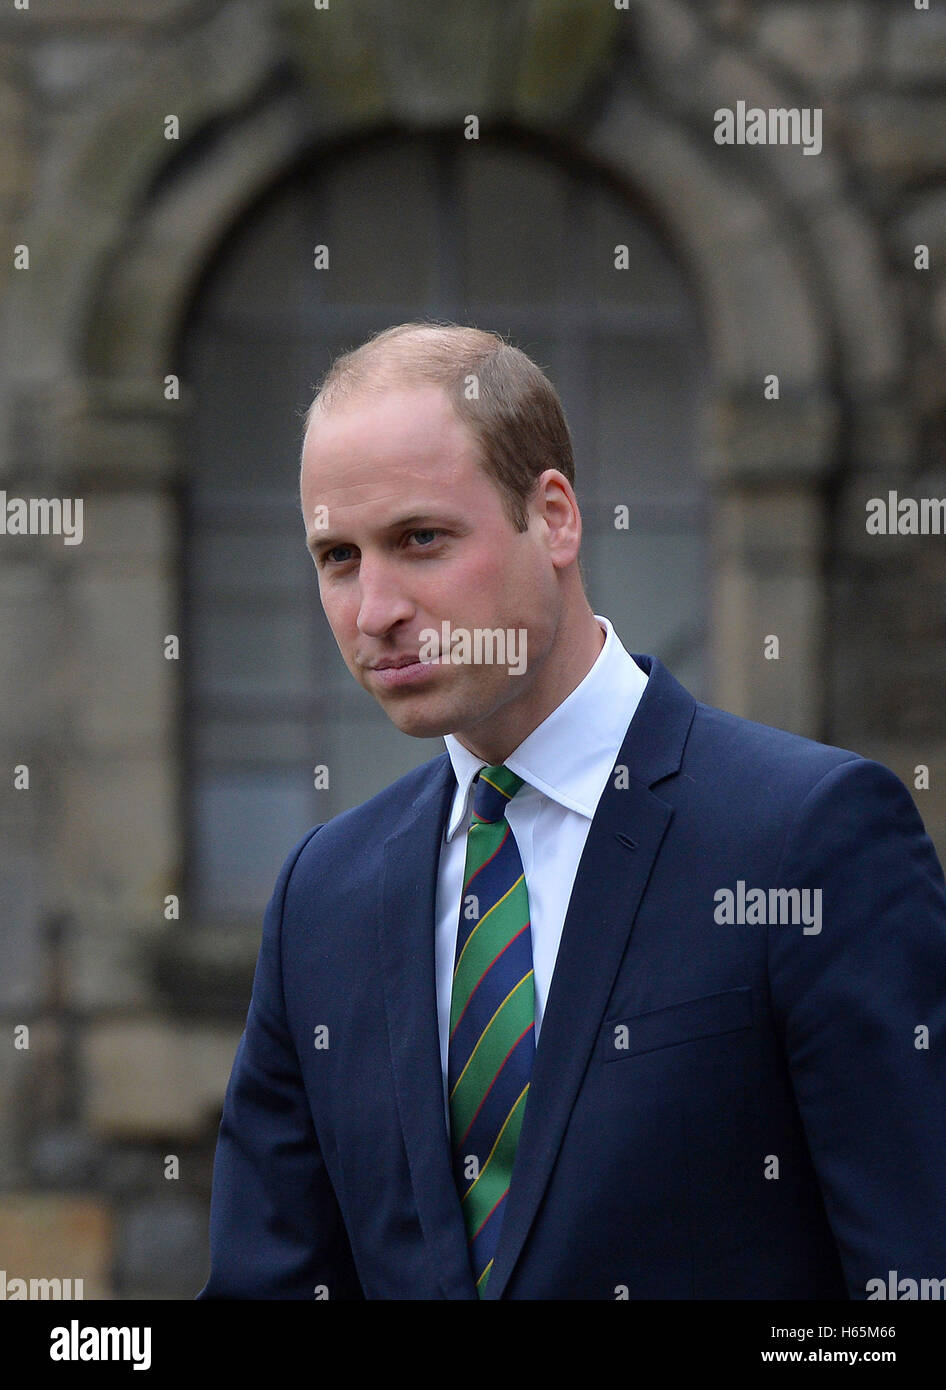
(143, 221)
(790, 273)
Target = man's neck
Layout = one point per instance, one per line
(505, 735)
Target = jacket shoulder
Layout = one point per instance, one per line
(750, 757)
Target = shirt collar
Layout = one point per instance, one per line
(569, 756)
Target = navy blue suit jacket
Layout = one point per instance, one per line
(716, 1110)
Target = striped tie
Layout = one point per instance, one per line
(492, 1017)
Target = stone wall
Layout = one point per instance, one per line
(803, 268)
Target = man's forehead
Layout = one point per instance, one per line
(382, 483)
(361, 451)
(411, 407)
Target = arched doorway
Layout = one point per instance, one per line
(504, 234)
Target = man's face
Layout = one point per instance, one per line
(408, 533)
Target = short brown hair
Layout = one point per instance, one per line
(509, 404)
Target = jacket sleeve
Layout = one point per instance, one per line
(862, 1006)
(275, 1226)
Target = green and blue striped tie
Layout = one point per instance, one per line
(492, 1017)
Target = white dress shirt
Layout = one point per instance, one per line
(565, 763)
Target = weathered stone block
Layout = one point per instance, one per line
(667, 33)
(118, 445)
(883, 434)
(754, 438)
(130, 1170)
(370, 60)
(938, 314)
(123, 527)
(15, 149)
(64, 68)
(122, 616)
(54, 1237)
(899, 137)
(826, 44)
(770, 524)
(150, 1078)
(863, 303)
(21, 881)
(107, 954)
(729, 239)
(754, 606)
(28, 626)
(767, 584)
(915, 45)
(162, 1249)
(117, 827)
(15, 1078)
(65, 1157)
(923, 222)
(727, 77)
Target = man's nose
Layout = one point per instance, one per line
(383, 600)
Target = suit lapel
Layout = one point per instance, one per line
(406, 933)
(612, 876)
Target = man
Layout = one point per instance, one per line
(621, 996)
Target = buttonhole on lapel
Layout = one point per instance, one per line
(626, 840)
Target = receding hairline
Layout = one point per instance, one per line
(373, 389)
(407, 355)
(502, 397)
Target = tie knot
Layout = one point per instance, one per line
(493, 790)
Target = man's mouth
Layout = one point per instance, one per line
(402, 670)
(394, 662)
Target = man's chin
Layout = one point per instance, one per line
(417, 724)
(418, 718)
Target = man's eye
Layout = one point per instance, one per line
(337, 555)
